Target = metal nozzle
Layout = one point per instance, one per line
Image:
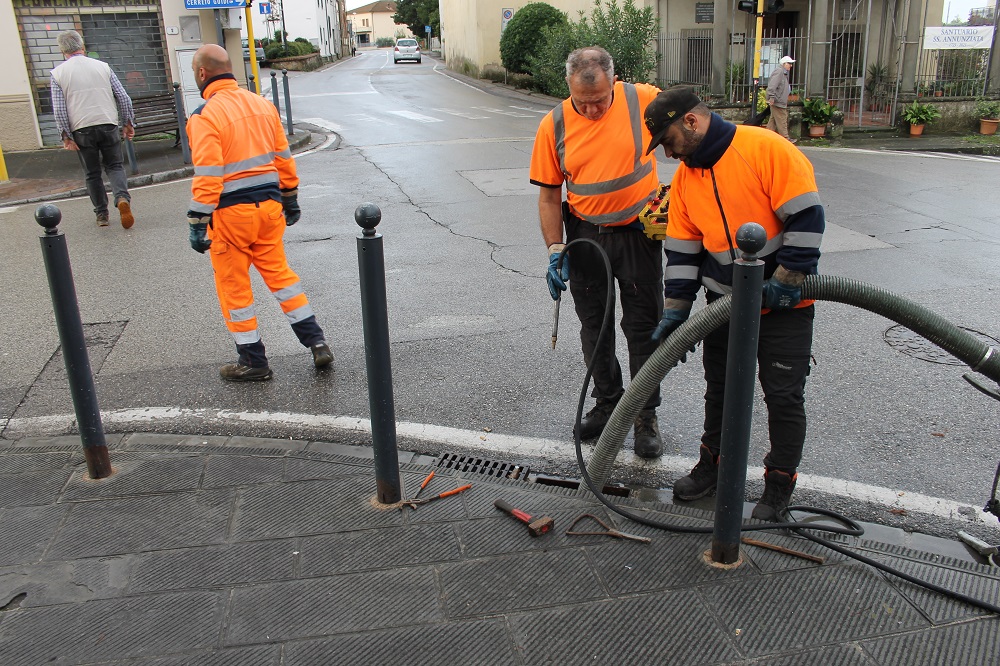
(555, 322)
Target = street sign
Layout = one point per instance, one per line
(214, 4)
(505, 16)
(427, 29)
(265, 7)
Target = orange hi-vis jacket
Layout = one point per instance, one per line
(239, 149)
(608, 178)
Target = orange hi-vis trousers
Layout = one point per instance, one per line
(247, 235)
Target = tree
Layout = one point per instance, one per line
(523, 34)
(626, 32)
(415, 14)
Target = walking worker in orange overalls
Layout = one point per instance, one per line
(244, 193)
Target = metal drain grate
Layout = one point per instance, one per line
(494, 468)
(907, 342)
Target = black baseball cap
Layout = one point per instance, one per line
(669, 105)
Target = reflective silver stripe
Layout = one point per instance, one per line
(685, 246)
(632, 99)
(251, 181)
(681, 273)
(718, 288)
(286, 153)
(798, 204)
(611, 186)
(298, 314)
(246, 337)
(803, 238)
(726, 258)
(559, 127)
(243, 314)
(199, 207)
(290, 291)
(618, 216)
(208, 171)
(250, 163)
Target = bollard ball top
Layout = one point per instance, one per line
(367, 215)
(751, 238)
(48, 216)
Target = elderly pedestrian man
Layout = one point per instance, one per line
(730, 175)
(593, 144)
(243, 195)
(778, 90)
(89, 104)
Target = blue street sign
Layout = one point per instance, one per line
(427, 28)
(265, 7)
(214, 4)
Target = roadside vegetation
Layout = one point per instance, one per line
(537, 42)
(274, 48)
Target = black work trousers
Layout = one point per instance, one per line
(783, 355)
(637, 265)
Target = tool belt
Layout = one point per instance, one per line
(634, 225)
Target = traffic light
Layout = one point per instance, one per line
(770, 6)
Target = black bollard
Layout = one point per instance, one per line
(182, 135)
(274, 91)
(737, 408)
(288, 102)
(375, 319)
(252, 84)
(74, 347)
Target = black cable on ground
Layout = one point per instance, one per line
(799, 528)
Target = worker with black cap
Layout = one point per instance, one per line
(592, 144)
(730, 175)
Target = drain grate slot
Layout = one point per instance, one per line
(494, 468)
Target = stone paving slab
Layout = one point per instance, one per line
(217, 555)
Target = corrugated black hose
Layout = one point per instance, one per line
(979, 356)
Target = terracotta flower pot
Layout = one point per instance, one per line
(793, 98)
(916, 130)
(817, 130)
(987, 126)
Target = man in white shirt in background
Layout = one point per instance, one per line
(89, 102)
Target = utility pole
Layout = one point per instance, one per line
(281, 8)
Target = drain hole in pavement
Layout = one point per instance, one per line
(15, 602)
(616, 490)
(494, 468)
(907, 342)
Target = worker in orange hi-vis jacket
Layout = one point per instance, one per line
(244, 194)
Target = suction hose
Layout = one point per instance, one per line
(968, 349)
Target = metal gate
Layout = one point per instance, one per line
(858, 82)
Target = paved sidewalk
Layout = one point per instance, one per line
(231, 550)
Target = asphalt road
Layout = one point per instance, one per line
(893, 437)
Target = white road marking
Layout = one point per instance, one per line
(560, 451)
(462, 114)
(526, 108)
(324, 123)
(513, 114)
(448, 142)
(336, 94)
(323, 146)
(906, 153)
(415, 116)
(438, 68)
(9, 209)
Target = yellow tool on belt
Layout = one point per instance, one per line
(654, 214)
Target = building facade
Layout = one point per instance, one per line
(373, 21)
(322, 22)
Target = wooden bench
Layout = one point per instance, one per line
(154, 114)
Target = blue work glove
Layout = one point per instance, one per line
(670, 321)
(557, 277)
(784, 289)
(290, 205)
(198, 233)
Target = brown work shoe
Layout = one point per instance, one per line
(237, 372)
(125, 209)
(102, 219)
(322, 355)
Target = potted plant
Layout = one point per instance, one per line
(988, 112)
(918, 115)
(795, 95)
(816, 113)
(877, 86)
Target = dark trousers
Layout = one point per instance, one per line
(102, 144)
(783, 356)
(637, 265)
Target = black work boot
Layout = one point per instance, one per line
(702, 479)
(237, 372)
(322, 355)
(648, 443)
(778, 487)
(592, 424)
